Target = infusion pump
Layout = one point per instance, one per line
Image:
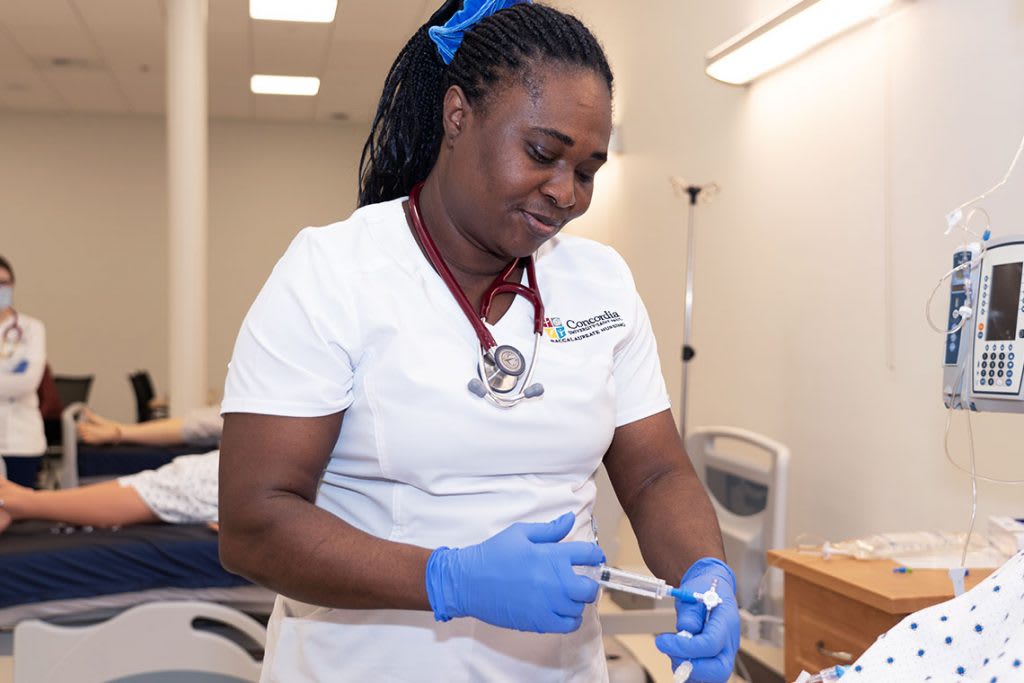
(984, 358)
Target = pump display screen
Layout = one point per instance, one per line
(1003, 302)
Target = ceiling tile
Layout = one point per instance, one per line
(230, 53)
(12, 57)
(353, 80)
(46, 29)
(282, 108)
(229, 98)
(145, 89)
(24, 89)
(88, 90)
(126, 30)
(131, 39)
(351, 57)
(386, 20)
(289, 48)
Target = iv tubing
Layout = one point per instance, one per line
(1009, 172)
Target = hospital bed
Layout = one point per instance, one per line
(80, 463)
(72, 594)
(61, 586)
(98, 653)
(75, 597)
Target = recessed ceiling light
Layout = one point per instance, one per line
(262, 84)
(315, 11)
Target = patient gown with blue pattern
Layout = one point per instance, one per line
(977, 637)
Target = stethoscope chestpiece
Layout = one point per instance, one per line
(12, 336)
(502, 367)
(501, 371)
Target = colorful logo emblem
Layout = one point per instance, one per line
(554, 328)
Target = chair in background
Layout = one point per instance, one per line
(50, 407)
(746, 474)
(73, 388)
(146, 407)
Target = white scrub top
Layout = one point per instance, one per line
(354, 318)
(21, 370)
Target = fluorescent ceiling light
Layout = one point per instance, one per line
(261, 84)
(784, 37)
(316, 11)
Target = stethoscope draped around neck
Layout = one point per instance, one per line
(504, 377)
(11, 337)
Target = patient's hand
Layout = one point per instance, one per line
(215, 526)
(11, 498)
(95, 429)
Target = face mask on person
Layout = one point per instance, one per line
(6, 297)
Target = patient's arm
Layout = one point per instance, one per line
(105, 504)
(96, 429)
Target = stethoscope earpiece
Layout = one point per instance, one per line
(534, 390)
(477, 387)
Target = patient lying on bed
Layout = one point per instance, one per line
(976, 637)
(182, 492)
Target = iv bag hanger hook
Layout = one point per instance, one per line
(696, 193)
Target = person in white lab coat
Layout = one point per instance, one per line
(404, 516)
(22, 361)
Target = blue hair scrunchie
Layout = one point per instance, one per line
(448, 38)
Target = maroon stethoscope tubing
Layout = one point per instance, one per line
(501, 285)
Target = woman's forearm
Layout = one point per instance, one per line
(304, 552)
(675, 524)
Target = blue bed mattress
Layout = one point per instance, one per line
(41, 561)
(115, 461)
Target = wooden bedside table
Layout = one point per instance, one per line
(843, 605)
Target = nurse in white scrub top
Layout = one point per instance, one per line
(416, 524)
(22, 361)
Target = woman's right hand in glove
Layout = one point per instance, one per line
(520, 578)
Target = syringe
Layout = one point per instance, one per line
(647, 586)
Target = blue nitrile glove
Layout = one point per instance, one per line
(712, 650)
(520, 578)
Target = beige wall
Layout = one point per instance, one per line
(792, 325)
(85, 226)
(830, 169)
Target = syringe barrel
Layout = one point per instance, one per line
(622, 580)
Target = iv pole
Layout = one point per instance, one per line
(694, 192)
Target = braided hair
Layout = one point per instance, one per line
(406, 133)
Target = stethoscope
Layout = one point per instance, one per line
(11, 338)
(501, 368)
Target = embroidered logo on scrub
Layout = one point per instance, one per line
(574, 330)
(554, 328)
